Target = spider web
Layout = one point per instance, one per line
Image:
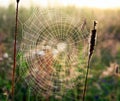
(54, 53)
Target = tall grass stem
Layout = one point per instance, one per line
(91, 49)
(14, 61)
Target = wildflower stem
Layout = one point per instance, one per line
(14, 61)
(86, 78)
(92, 46)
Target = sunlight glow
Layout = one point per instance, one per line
(55, 3)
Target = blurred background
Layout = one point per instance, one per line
(104, 80)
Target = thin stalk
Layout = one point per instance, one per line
(14, 61)
(92, 46)
(86, 78)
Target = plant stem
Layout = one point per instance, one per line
(92, 46)
(14, 61)
(86, 78)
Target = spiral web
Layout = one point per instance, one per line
(54, 53)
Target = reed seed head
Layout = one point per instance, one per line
(92, 40)
(17, 1)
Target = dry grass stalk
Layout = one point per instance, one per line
(14, 64)
(83, 25)
(91, 49)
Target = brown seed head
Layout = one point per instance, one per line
(92, 40)
(17, 1)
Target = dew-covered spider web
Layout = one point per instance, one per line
(54, 54)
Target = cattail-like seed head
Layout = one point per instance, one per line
(92, 40)
(92, 46)
(17, 1)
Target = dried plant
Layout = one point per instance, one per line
(91, 49)
(14, 64)
(113, 69)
